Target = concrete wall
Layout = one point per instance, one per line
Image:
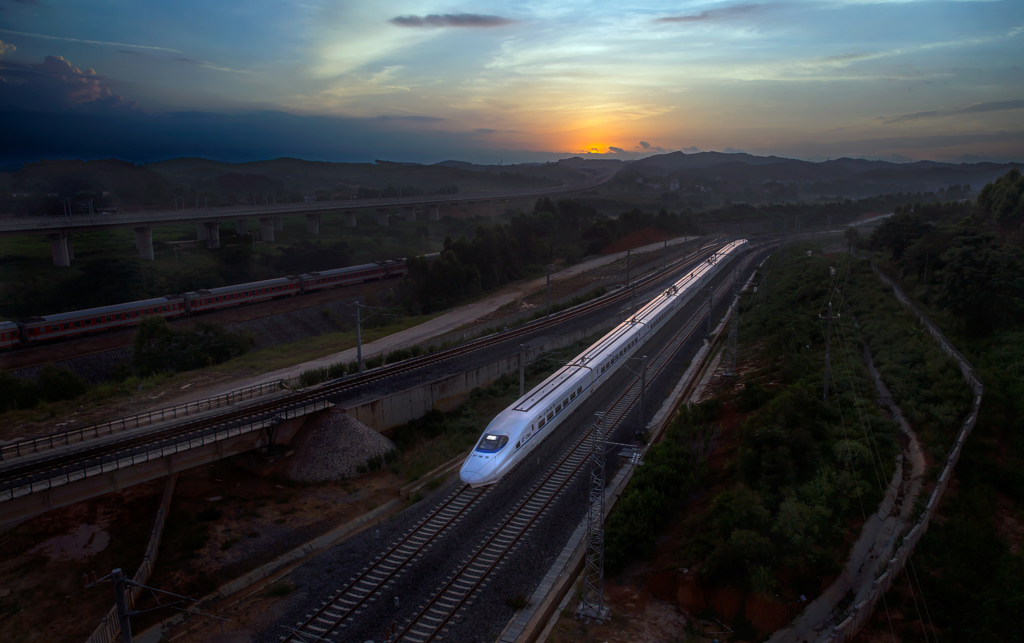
(393, 410)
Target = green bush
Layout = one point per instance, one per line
(160, 348)
(54, 385)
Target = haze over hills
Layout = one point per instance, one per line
(739, 176)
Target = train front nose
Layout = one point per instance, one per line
(476, 471)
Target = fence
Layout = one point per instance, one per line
(862, 611)
(154, 450)
(64, 438)
(110, 627)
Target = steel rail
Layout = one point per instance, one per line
(432, 618)
(36, 472)
(374, 577)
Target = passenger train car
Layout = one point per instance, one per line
(40, 329)
(518, 429)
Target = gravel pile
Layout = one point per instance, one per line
(332, 449)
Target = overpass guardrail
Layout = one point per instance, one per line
(74, 436)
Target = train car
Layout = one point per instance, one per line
(80, 322)
(314, 281)
(218, 298)
(10, 335)
(518, 429)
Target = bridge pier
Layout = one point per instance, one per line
(242, 226)
(144, 242)
(59, 247)
(350, 219)
(267, 228)
(434, 212)
(382, 216)
(278, 224)
(71, 249)
(201, 233)
(409, 212)
(313, 223)
(212, 234)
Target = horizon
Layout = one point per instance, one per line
(486, 83)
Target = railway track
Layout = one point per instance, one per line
(60, 468)
(430, 621)
(432, 618)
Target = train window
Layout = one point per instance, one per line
(88, 322)
(551, 414)
(541, 423)
(565, 402)
(108, 318)
(54, 328)
(558, 408)
(67, 326)
(579, 390)
(99, 320)
(78, 324)
(518, 444)
(572, 396)
(492, 443)
(163, 309)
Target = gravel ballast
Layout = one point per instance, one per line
(332, 448)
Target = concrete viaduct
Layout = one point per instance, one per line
(208, 220)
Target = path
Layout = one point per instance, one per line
(438, 326)
(877, 541)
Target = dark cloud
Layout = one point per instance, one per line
(644, 145)
(616, 150)
(714, 14)
(693, 149)
(55, 85)
(976, 108)
(6, 48)
(451, 20)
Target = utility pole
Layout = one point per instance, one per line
(548, 293)
(628, 251)
(734, 322)
(522, 370)
(643, 390)
(711, 293)
(664, 254)
(122, 606)
(592, 605)
(359, 338)
(828, 345)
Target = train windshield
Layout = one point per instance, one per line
(492, 443)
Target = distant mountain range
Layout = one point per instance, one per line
(847, 176)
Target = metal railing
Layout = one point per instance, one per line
(104, 464)
(74, 436)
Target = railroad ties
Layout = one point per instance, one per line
(388, 567)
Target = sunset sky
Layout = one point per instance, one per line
(490, 81)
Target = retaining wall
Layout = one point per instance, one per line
(110, 627)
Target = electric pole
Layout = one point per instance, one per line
(828, 344)
(711, 293)
(643, 389)
(359, 338)
(592, 605)
(522, 370)
(548, 291)
(122, 606)
(628, 251)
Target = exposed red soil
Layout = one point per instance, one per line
(42, 594)
(637, 238)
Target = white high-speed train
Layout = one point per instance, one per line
(514, 432)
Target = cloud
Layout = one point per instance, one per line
(436, 21)
(976, 108)
(693, 149)
(616, 150)
(713, 14)
(209, 65)
(87, 42)
(6, 48)
(644, 145)
(25, 1)
(732, 150)
(55, 85)
(412, 117)
(485, 130)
